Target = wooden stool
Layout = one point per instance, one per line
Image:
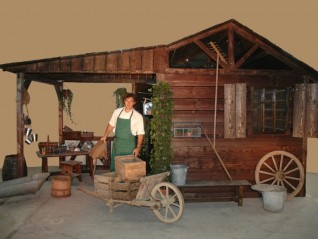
(71, 168)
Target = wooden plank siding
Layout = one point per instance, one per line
(193, 96)
(100, 63)
(135, 61)
(240, 156)
(77, 64)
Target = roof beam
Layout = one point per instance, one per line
(266, 47)
(210, 53)
(230, 52)
(245, 56)
(55, 79)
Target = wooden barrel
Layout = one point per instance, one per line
(10, 167)
(61, 186)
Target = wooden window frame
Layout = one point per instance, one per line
(260, 128)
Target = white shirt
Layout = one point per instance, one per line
(137, 121)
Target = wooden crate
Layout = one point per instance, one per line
(126, 191)
(129, 167)
(102, 184)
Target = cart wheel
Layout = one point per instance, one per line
(283, 169)
(170, 202)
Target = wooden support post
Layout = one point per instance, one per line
(20, 125)
(59, 94)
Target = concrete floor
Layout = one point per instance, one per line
(82, 216)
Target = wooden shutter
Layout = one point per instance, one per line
(305, 113)
(235, 110)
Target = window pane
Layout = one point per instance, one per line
(269, 110)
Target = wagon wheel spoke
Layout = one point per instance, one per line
(171, 210)
(176, 205)
(274, 182)
(274, 162)
(269, 167)
(297, 179)
(161, 194)
(293, 170)
(166, 212)
(287, 172)
(280, 183)
(281, 162)
(267, 180)
(267, 173)
(287, 165)
(290, 185)
(283, 183)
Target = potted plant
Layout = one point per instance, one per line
(119, 96)
(189, 132)
(160, 130)
(67, 99)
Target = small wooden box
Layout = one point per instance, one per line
(129, 167)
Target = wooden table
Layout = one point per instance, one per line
(62, 156)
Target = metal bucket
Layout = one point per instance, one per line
(273, 196)
(179, 174)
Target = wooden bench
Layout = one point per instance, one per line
(236, 184)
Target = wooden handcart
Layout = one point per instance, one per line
(163, 198)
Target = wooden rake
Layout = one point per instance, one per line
(217, 155)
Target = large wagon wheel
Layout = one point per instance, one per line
(170, 208)
(283, 169)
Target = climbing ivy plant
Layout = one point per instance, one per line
(160, 130)
(119, 96)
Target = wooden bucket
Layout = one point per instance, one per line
(10, 167)
(61, 186)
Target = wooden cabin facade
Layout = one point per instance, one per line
(237, 97)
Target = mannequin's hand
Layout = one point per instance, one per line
(136, 151)
(103, 138)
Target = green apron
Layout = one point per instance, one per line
(124, 142)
